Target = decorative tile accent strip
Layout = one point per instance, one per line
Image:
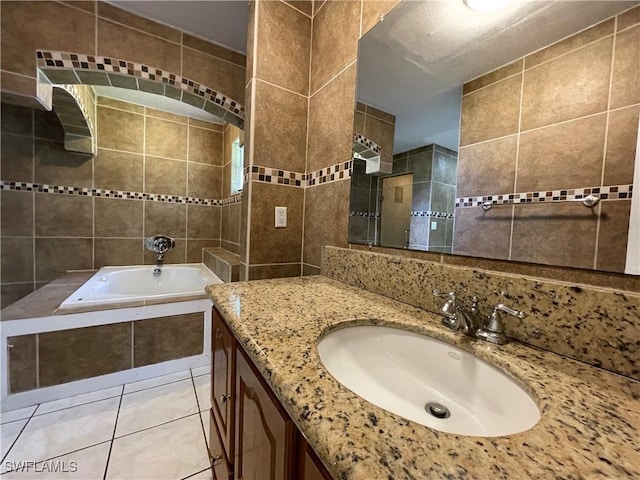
(612, 192)
(97, 192)
(330, 174)
(365, 142)
(365, 214)
(430, 213)
(65, 60)
(273, 175)
(297, 179)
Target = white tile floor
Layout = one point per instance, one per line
(152, 429)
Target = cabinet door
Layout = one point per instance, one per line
(309, 465)
(223, 380)
(264, 434)
(219, 461)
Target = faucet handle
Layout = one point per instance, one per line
(448, 310)
(493, 331)
(516, 313)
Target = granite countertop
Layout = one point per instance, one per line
(590, 417)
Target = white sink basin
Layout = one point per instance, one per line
(402, 372)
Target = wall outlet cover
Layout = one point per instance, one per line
(281, 217)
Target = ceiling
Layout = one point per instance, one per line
(222, 22)
(414, 63)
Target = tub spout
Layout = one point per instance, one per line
(160, 244)
(158, 270)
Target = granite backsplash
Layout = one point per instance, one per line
(597, 326)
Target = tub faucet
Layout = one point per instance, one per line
(159, 244)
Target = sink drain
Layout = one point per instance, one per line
(437, 410)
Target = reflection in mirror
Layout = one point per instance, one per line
(527, 110)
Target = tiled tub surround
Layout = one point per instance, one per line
(222, 262)
(55, 353)
(560, 119)
(590, 417)
(154, 173)
(594, 325)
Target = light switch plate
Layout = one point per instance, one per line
(434, 225)
(281, 217)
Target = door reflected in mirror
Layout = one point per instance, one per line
(527, 111)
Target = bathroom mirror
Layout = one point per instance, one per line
(530, 103)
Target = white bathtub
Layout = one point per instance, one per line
(125, 284)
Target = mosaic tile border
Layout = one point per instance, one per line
(365, 142)
(431, 213)
(102, 193)
(274, 175)
(333, 173)
(54, 60)
(365, 214)
(611, 192)
(232, 200)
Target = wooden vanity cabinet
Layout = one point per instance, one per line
(252, 437)
(223, 381)
(264, 433)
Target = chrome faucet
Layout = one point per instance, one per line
(493, 330)
(456, 316)
(469, 322)
(159, 244)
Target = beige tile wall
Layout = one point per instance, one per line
(560, 118)
(139, 149)
(337, 27)
(99, 28)
(277, 104)
(377, 126)
(300, 113)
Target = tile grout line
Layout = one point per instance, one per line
(204, 433)
(186, 191)
(156, 425)
(75, 406)
(573, 50)
(296, 9)
(113, 436)
(550, 125)
(196, 473)
(62, 455)
(19, 434)
(93, 185)
(515, 175)
(306, 145)
(34, 269)
(606, 136)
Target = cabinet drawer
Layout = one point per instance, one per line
(219, 462)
